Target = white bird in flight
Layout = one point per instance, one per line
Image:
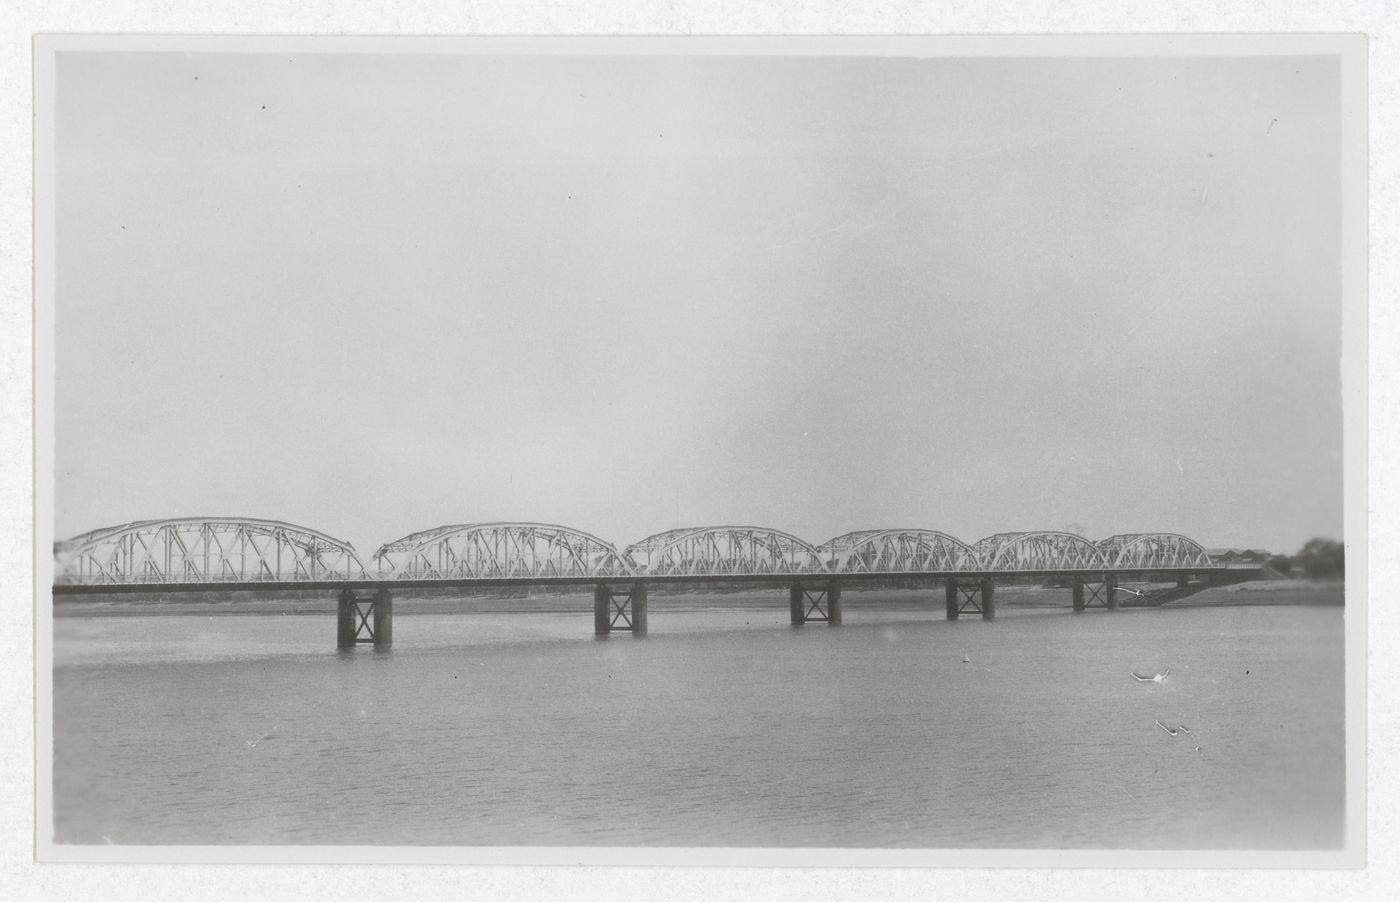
(254, 743)
(1165, 727)
(1151, 679)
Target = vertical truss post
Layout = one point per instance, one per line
(1110, 583)
(383, 619)
(950, 598)
(989, 605)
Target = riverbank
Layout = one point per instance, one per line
(1272, 592)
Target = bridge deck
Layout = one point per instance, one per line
(845, 580)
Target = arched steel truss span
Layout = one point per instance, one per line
(230, 550)
(204, 550)
(500, 551)
(725, 551)
(1153, 550)
(897, 551)
(1021, 551)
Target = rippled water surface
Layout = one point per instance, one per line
(723, 727)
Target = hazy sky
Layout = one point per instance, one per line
(372, 294)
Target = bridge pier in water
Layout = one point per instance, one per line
(1100, 593)
(365, 621)
(808, 602)
(977, 597)
(622, 609)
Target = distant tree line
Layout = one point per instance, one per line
(1318, 559)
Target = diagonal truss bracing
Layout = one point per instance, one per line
(1153, 550)
(204, 550)
(1016, 551)
(724, 551)
(897, 551)
(500, 551)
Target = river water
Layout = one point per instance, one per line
(725, 727)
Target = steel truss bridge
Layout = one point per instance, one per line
(236, 553)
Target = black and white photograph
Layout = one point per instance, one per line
(620, 449)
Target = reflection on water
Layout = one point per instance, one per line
(724, 727)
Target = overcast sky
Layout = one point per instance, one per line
(372, 294)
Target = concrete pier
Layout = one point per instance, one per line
(602, 613)
(345, 620)
(1077, 588)
(833, 605)
(362, 621)
(1110, 586)
(825, 602)
(628, 606)
(639, 611)
(383, 619)
(980, 595)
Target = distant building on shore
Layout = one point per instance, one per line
(1247, 558)
(1228, 556)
